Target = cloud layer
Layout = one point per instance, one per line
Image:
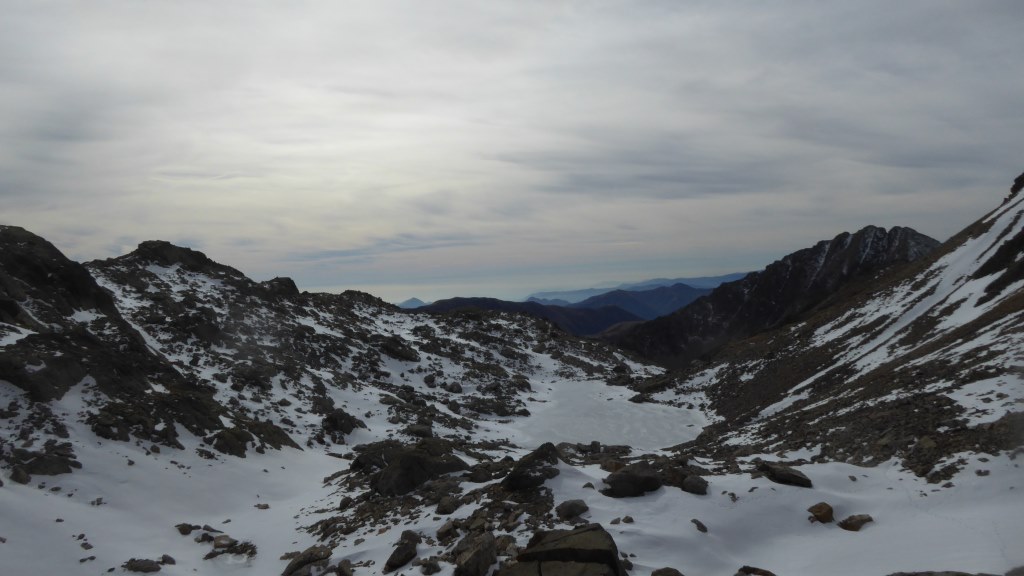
(442, 148)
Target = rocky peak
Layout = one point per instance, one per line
(762, 300)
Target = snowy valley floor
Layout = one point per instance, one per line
(125, 503)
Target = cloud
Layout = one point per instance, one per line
(540, 142)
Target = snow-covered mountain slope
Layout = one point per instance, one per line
(163, 404)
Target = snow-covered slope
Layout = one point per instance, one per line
(163, 404)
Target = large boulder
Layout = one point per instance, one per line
(533, 469)
(783, 474)
(403, 468)
(314, 555)
(475, 555)
(588, 550)
(631, 481)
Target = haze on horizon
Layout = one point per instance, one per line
(497, 149)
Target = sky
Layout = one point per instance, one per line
(448, 148)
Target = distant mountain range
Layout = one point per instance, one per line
(577, 321)
(566, 297)
(646, 304)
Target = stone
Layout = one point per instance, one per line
(627, 520)
(448, 504)
(409, 468)
(822, 512)
(224, 541)
(168, 560)
(447, 530)
(430, 566)
(19, 475)
(752, 571)
(590, 544)
(185, 529)
(532, 470)
(314, 555)
(855, 522)
(631, 481)
(700, 525)
(694, 484)
(666, 572)
(571, 509)
(141, 565)
(782, 474)
(404, 552)
(477, 555)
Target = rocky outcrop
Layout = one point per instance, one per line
(784, 474)
(532, 470)
(769, 298)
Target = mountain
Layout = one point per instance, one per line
(921, 368)
(646, 304)
(576, 321)
(766, 299)
(162, 412)
(412, 303)
(566, 297)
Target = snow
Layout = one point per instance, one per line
(12, 334)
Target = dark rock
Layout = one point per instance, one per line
(666, 572)
(783, 474)
(420, 430)
(141, 565)
(589, 544)
(695, 484)
(404, 552)
(533, 469)
(19, 475)
(822, 512)
(752, 571)
(338, 423)
(315, 555)
(855, 522)
(430, 566)
(185, 529)
(168, 560)
(631, 481)
(571, 509)
(477, 555)
(448, 504)
(700, 525)
(409, 468)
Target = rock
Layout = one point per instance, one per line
(855, 522)
(627, 520)
(822, 512)
(694, 484)
(338, 423)
(141, 565)
(314, 555)
(631, 481)
(478, 554)
(751, 571)
(19, 475)
(186, 529)
(666, 572)
(589, 544)
(167, 560)
(447, 505)
(571, 509)
(700, 525)
(532, 470)
(447, 530)
(404, 552)
(408, 468)
(783, 474)
(430, 566)
(224, 541)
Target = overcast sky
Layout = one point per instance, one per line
(442, 148)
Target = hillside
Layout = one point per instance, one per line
(761, 300)
(162, 412)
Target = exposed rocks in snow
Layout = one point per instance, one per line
(533, 469)
(634, 480)
(404, 551)
(475, 554)
(312, 556)
(821, 512)
(666, 572)
(784, 474)
(700, 525)
(141, 565)
(585, 550)
(571, 509)
(855, 522)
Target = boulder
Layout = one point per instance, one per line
(822, 512)
(477, 554)
(783, 474)
(532, 470)
(405, 469)
(700, 525)
(855, 522)
(695, 485)
(590, 544)
(404, 551)
(315, 555)
(666, 572)
(631, 481)
(448, 504)
(752, 571)
(571, 509)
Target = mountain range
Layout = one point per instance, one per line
(855, 407)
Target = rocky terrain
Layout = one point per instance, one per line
(161, 412)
